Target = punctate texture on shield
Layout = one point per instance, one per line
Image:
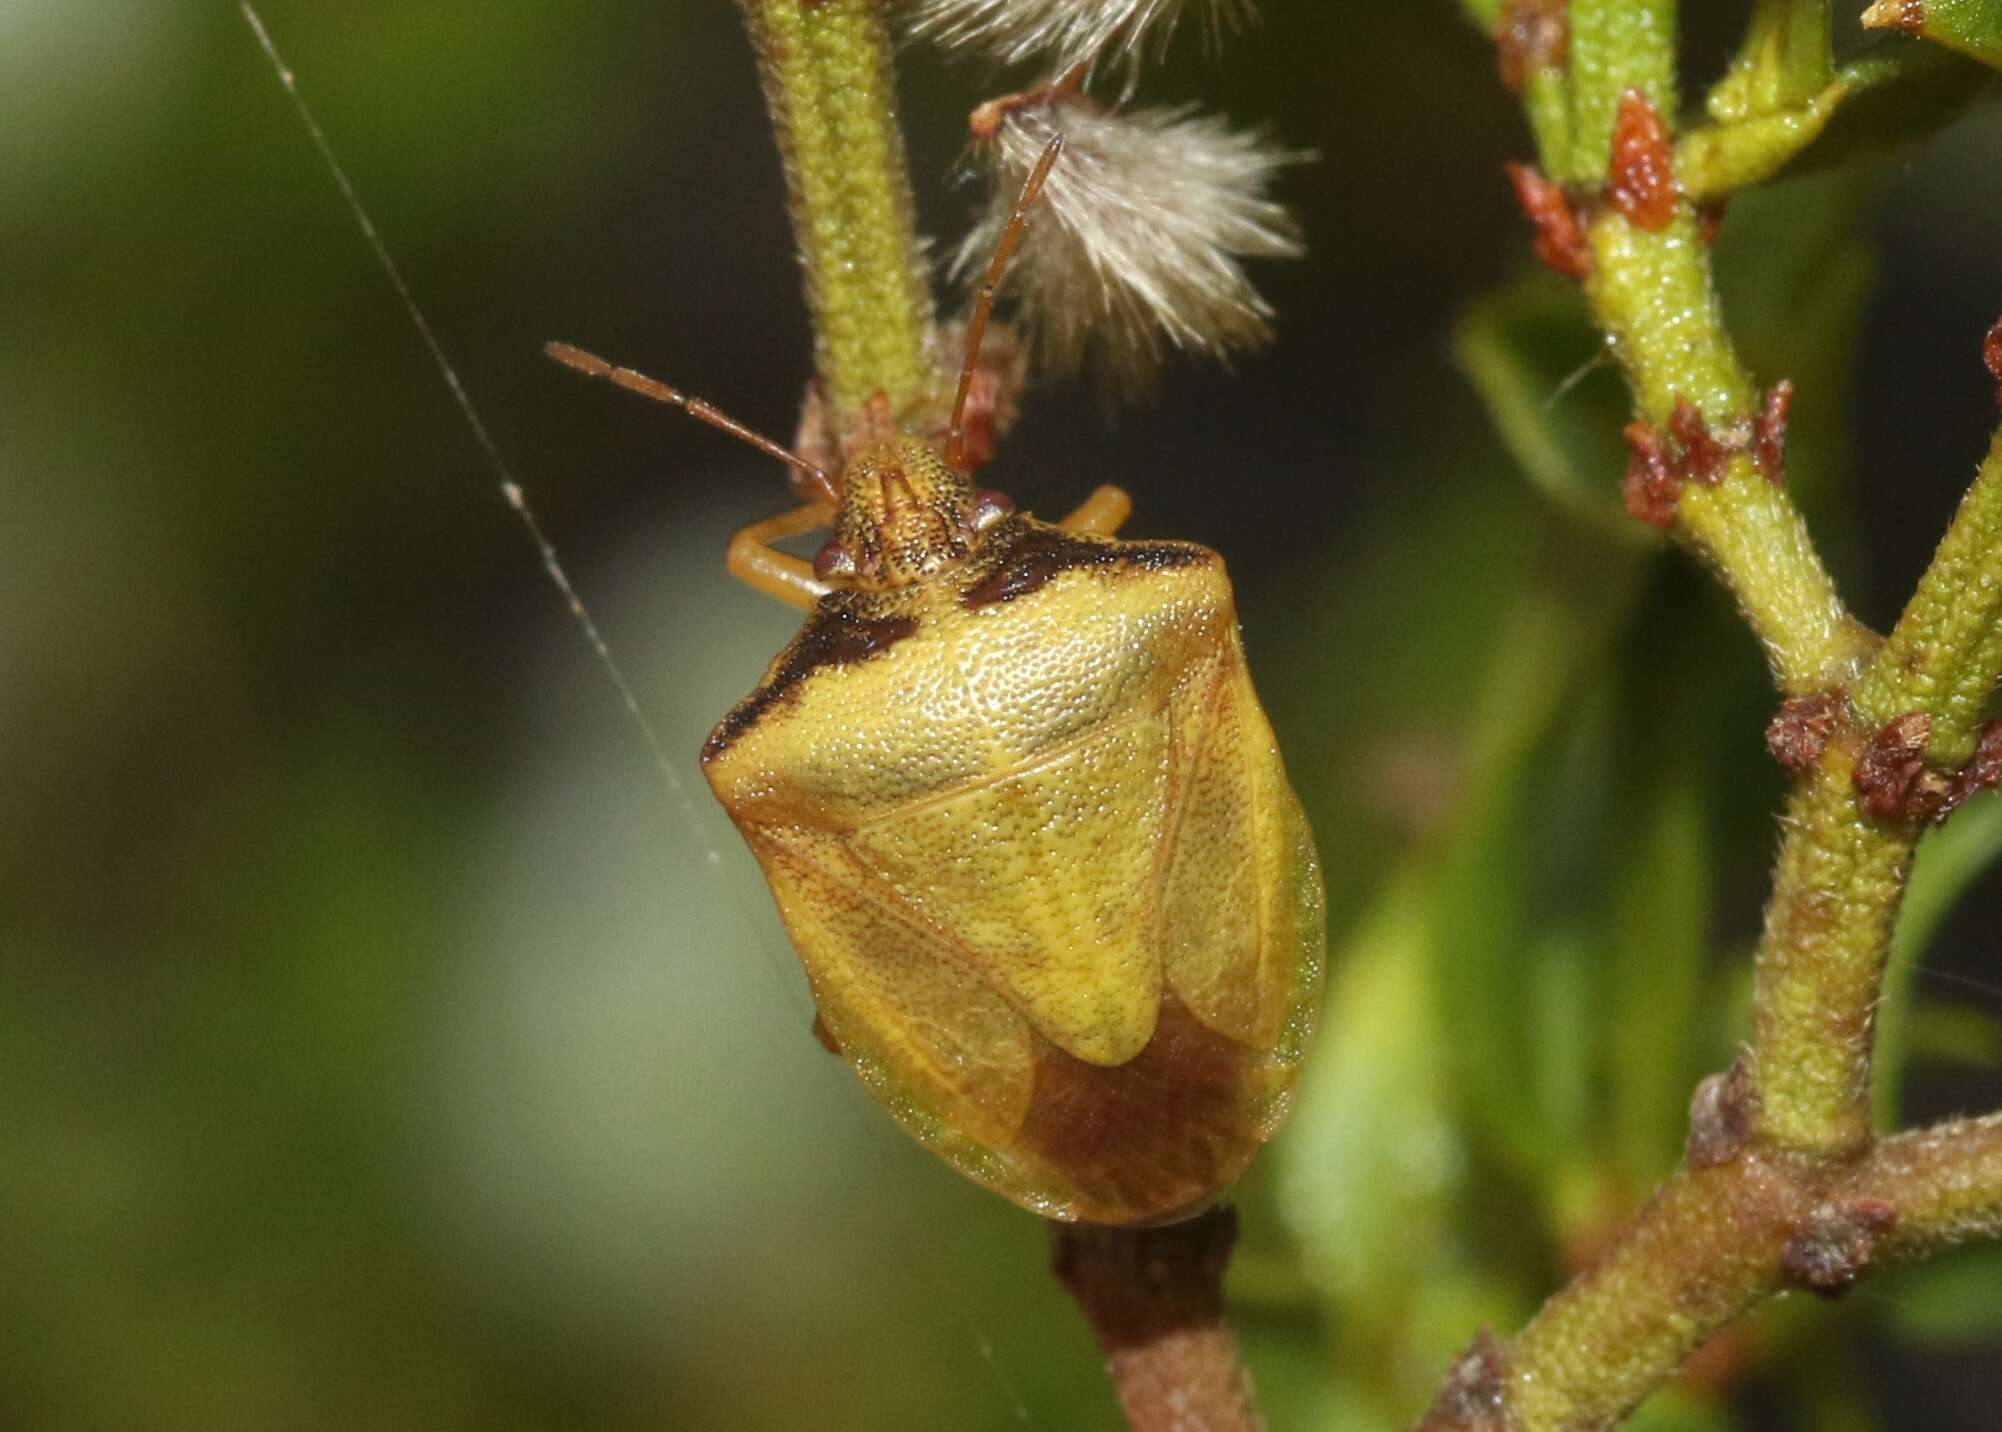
(1029, 831)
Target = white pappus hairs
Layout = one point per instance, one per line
(1134, 249)
(1068, 32)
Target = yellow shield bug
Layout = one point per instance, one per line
(1026, 825)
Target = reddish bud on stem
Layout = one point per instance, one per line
(1531, 35)
(1641, 177)
(1769, 434)
(1991, 354)
(1560, 238)
(1799, 733)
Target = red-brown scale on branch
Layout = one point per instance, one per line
(1983, 773)
(1560, 238)
(1835, 1245)
(1720, 1117)
(1912, 18)
(1991, 354)
(1652, 486)
(1641, 176)
(1769, 433)
(1691, 451)
(1530, 35)
(1800, 732)
(1710, 220)
(1891, 777)
(1474, 1396)
(1704, 456)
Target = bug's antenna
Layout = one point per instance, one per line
(592, 366)
(983, 306)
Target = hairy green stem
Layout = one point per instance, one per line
(1713, 1242)
(1614, 46)
(1651, 292)
(831, 88)
(1785, 1184)
(1820, 964)
(1945, 654)
(1945, 1182)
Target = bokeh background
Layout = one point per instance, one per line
(385, 1042)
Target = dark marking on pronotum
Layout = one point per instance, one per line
(1043, 552)
(829, 638)
(1800, 732)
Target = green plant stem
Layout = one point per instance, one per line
(1785, 61)
(1711, 1244)
(1614, 46)
(1786, 1185)
(1820, 965)
(1945, 1182)
(830, 85)
(1652, 294)
(1945, 654)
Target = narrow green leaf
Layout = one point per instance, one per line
(1897, 94)
(1949, 860)
(1784, 61)
(1532, 355)
(1954, 1034)
(1973, 27)
(1372, 1163)
(1660, 920)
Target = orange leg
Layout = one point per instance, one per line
(1102, 514)
(754, 561)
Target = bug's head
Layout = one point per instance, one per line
(905, 514)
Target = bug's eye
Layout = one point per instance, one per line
(989, 507)
(832, 561)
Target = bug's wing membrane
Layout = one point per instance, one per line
(896, 994)
(1227, 945)
(1046, 876)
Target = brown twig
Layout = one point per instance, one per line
(1154, 1298)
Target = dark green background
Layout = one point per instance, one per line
(381, 1046)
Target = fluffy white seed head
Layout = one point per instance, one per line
(1135, 248)
(1065, 32)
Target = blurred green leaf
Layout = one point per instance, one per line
(1372, 1162)
(1949, 860)
(1953, 1034)
(1540, 367)
(1953, 1299)
(1973, 27)
(1488, 910)
(1660, 923)
(1676, 1409)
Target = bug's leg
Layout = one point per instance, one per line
(1102, 514)
(754, 561)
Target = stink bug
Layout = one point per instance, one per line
(1026, 825)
